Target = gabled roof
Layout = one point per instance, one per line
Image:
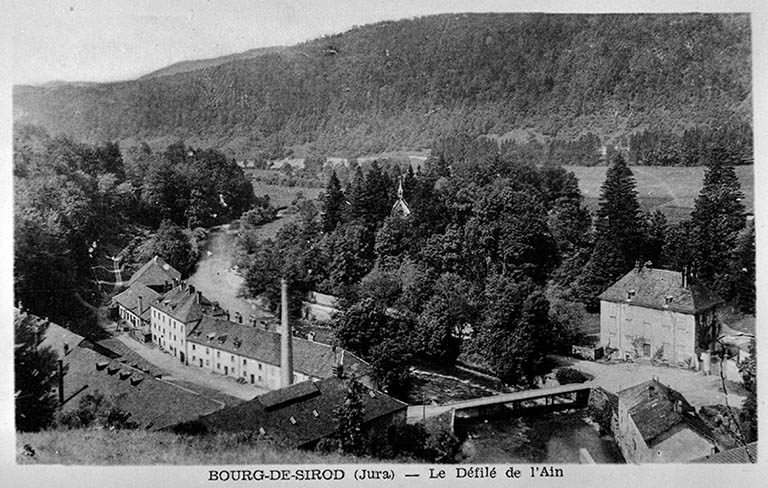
(309, 404)
(54, 336)
(744, 454)
(313, 359)
(155, 272)
(152, 403)
(186, 304)
(656, 409)
(653, 288)
(129, 299)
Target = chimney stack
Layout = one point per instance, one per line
(141, 306)
(685, 277)
(286, 341)
(199, 297)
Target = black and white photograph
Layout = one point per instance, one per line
(398, 242)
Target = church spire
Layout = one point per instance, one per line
(400, 208)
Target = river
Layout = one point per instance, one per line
(551, 438)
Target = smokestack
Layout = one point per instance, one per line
(61, 382)
(685, 277)
(286, 341)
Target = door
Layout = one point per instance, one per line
(252, 379)
(226, 370)
(201, 362)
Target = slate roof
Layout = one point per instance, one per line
(652, 287)
(734, 456)
(152, 403)
(651, 405)
(116, 349)
(313, 359)
(129, 299)
(54, 336)
(155, 272)
(310, 404)
(186, 304)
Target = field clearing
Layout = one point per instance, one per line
(669, 189)
(282, 196)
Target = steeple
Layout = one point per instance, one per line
(400, 208)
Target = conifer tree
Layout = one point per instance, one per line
(618, 233)
(717, 219)
(333, 203)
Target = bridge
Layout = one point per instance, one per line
(529, 401)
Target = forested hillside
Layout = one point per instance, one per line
(398, 85)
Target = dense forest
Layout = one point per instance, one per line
(499, 262)
(76, 204)
(629, 80)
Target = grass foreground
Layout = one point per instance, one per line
(138, 447)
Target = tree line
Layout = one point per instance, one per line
(401, 84)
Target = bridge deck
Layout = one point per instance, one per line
(416, 412)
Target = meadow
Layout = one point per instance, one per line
(672, 190)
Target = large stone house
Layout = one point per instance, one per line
(176, 313)
(253, 355)
(657, 425)
(655, 313)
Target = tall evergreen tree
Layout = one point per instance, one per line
(35, 376)
(618, 235)
(333, 203)
(717, 218)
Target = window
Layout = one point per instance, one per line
(218, 365)
(232, 358)
(207, 362)
(259, 366)
(193, 347)
(218, 354)
(243, 362)
(207, 351)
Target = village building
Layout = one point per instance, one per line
(657, 425)
(152, 404)
(737, 455)
(253, 355)
(176, 313)
(660, 314)
(155, 274)
(299, 415)
(133, 309)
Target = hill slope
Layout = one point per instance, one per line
(99, 447)
(396, 85)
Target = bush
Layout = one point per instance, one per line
(566, 376)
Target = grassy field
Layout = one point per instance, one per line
(670, 189)
(138, 447)
(282, 196)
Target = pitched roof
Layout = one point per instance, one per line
(155, 272)
(313, 359)
(310, 405)
(116, 349)
(54, 335)
(129, 299)
(744, 454)
(187, 305)
(652, 288)
(656, 409)
(152, 403)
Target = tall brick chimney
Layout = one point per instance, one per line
(286, 340)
